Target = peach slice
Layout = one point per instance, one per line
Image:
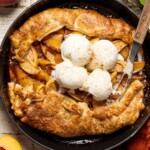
(58, 58)
(54, 41)
(50, 86)
(30, 62)
(32, 56)
(125, 52)
(9, 143)
(77, 32)
(24, 79)
(119, 44)
(74, 96)
(94, 40)
(43, 62)
(27, 67)
(137, 66)
(40, 89)
(113, 74)
(61, 31)
(48, 54)
(43, 76)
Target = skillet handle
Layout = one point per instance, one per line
(143, 24)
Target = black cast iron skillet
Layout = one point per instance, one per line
(113, 8)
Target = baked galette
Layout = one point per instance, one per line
(63, 65)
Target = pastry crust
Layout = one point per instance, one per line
(58, 114)
(88, 22)
(38, 103)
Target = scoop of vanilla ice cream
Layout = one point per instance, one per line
(98, 84)
(76, 48)
(104, 55)
(69, 76)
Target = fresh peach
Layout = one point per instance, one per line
(9, 143)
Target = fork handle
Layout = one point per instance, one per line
(143, 24)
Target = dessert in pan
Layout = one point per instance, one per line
(63, 65)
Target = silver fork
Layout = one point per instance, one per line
(138, 39)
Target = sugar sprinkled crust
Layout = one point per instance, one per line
(88, 22)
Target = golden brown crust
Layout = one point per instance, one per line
(63, 116)
(88, 22)
(119, 106)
